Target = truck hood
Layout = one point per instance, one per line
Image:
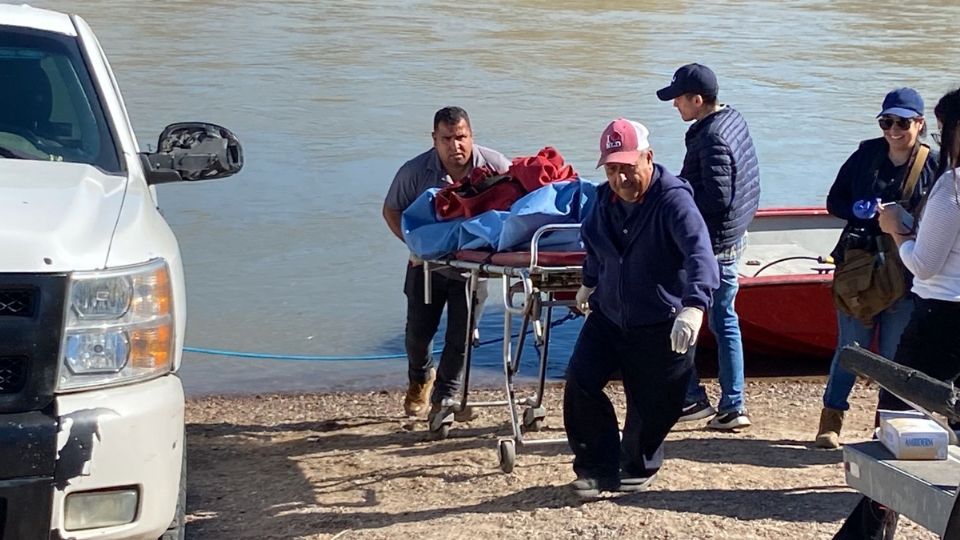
(55, 216)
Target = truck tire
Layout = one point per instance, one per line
(178, 527)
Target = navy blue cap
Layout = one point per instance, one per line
(691, 79)
(902, 102)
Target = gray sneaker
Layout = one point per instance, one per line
(590, 488)
(631, 484)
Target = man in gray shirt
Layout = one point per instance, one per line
(452, 158)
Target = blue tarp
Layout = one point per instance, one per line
(560, 202)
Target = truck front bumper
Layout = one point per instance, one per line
(25, 507)
(124, 437)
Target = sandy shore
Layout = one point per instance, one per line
(347, 466)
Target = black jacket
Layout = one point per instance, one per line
(721, 166)
(858, 180)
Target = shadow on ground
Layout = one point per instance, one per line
(229, 463)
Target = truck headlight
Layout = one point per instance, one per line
(119, 327)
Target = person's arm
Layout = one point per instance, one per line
(590, 273)
(840, 199)
(392, 217)
(689, 232)
(400, 195)
(715, 191)
(938, 232)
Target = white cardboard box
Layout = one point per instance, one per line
(911, 435)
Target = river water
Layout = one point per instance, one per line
(329, 98)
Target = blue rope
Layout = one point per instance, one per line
(313, 358)
(294, 357)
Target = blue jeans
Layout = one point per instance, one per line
(889, 324)
(725, 325)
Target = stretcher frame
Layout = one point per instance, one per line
(537, 282)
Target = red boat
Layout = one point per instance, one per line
(785, 305)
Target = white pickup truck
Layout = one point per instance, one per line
(92, 310)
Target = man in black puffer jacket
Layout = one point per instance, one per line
(721, 166)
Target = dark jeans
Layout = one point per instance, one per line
(868, 521)
(423, 320)
(654, 380)
(930, 344)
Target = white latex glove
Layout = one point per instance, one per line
(583, 297)
(686, 328)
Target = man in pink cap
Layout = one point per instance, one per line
(647, 280)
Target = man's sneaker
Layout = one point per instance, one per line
(696, 411)
(730, 421)
(590, 488)
(435, 418)
(418, 395)
(630, 484)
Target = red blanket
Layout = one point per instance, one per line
(483, 190)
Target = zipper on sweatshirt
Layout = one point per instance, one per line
(623, 305)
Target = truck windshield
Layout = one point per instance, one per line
(49, 106)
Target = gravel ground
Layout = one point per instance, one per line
(350, 466)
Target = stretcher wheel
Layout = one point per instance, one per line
(508, 455)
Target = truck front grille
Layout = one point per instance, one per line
(17, 302)
(31, 327)
(13, 374)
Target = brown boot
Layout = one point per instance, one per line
(418, 395)
(467, 414)
(828, 436)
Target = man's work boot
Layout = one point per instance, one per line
(828, 436)
(418, 395)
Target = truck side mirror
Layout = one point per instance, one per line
(193, 151)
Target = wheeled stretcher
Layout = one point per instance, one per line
(534, 283)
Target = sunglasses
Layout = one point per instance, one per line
(902, 123)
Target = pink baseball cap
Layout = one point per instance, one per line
(622, 142)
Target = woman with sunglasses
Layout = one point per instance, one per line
(874, 173)
(930, 342)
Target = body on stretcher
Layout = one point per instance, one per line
(534, 282)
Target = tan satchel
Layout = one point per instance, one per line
(869, 281)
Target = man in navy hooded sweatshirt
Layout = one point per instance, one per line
(647, 281)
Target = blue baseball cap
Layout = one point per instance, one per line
(691, 79)
(902, 102)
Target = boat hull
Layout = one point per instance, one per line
(788, 316)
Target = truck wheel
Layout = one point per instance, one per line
(178, 527)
